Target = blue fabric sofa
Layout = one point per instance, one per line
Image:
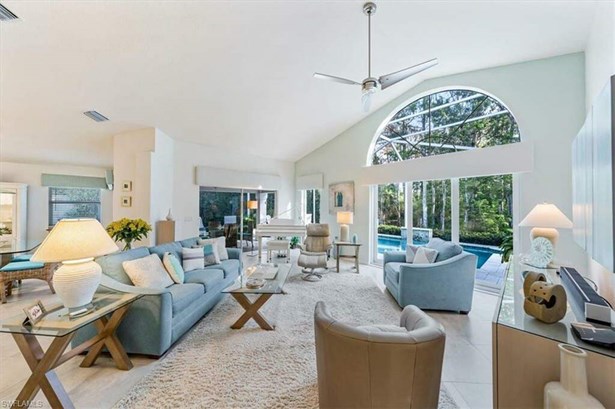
(156, 321)
(447, 284)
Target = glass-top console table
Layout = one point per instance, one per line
(525, 350)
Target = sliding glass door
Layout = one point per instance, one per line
(234, 213)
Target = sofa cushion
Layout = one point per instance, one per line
(392, 271)
(22, 265)
(229, 266)
(174, 248)
(147, 272)
(188, 243)
(184, 295)
(446, 249)
(209, 278)
(112, 264)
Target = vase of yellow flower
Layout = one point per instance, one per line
(128, 230)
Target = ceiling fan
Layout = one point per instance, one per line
(371, 84)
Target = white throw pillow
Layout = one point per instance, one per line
(147, 272)
(411, 250)
(220, 243)
(193, 259)
(425, 255)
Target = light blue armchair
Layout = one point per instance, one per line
(447, 284)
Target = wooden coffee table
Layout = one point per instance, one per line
(240, 293)
(62, 329)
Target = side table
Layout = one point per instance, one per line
(340, 245)
(57, 324)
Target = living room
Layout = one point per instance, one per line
(318, 240)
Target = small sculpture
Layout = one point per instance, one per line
(169, 216)
(544, 301)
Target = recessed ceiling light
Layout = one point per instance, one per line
(6, 14)
(96, 116)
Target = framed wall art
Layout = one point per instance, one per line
(341, 197)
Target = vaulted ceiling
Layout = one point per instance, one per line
(238, 74)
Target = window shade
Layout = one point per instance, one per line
(73, 181)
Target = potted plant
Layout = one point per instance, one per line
(507, 246)
(128, 230)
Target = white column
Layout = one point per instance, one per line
(455, 210)
(409, 209)
(373, 224)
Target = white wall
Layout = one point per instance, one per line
(547, 98)
(132, 153)
(38, 196)
(186, 192)
(599, 67)
(163, 175)
(145, 158)
(600, 51)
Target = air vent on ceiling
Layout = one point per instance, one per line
(97, 116)
(6, 14)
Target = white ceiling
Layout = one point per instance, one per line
(238, 75)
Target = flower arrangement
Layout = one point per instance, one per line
(128, 230)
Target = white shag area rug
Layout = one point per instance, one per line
(214, 366)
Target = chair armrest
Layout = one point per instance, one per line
(234, 253)
(114, 285)
(394, 257)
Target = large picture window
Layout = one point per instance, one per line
(73, 203)
(447, 121)
(475, 212)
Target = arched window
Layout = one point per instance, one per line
(443, 122)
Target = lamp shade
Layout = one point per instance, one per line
(345, 217)
(252, 204)
(75, 239)
(546, 215)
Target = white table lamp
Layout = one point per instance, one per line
(545, 219)
(75, 243)
(344, 219)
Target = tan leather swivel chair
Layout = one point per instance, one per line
(315, 251)
(379, 366)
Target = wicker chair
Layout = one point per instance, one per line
(23, 270)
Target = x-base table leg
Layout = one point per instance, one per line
(42, 363)
(252, 311)
(43, 377)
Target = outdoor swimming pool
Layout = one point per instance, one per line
(391, 243)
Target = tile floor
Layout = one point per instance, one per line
(466, 372)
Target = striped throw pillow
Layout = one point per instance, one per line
(193, 259)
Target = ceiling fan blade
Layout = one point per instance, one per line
(394, 77)
(336, 79)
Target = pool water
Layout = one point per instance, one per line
(393, 243)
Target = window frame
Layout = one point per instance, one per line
(369, 160)
(51, 202)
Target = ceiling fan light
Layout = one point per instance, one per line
(366, 98)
